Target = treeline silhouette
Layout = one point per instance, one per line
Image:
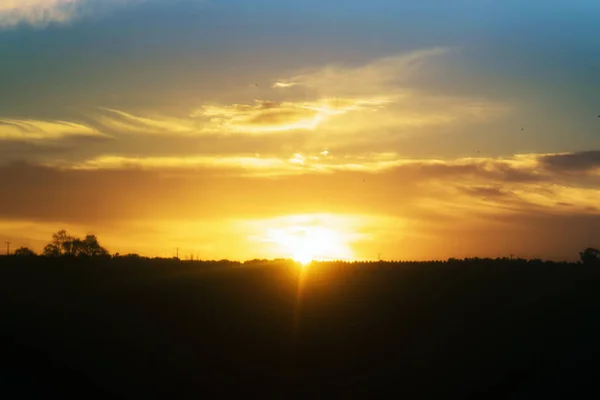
(101, 326)
(65, 245)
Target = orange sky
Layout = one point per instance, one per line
(243, 132)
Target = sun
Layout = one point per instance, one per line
(307, 243)
(303, 249)
(303, 258)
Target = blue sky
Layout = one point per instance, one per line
(188, 88)
(151, 53)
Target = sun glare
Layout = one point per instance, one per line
(303, 258)
(307, 243)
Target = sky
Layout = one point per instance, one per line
(248, 129)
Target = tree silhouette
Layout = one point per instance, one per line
(52, 250)
(24, 252)
(89, 247)
(64, 244)
(590, 256)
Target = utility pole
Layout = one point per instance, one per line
(177, 249)
(7, 248)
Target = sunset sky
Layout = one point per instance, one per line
(317, 128)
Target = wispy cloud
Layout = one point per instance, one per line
(164, 163)
(348, 114)
(394, 79)
(417, 189)
(518, 169)
(375, 77)
(40, 13)
(267, 116)
(283, 85)
(245, 164)
(36, 12)
(28, 130)
(350, 100)
(124, 122)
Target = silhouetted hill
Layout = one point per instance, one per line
(141, 328)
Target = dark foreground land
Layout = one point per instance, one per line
(170, 329)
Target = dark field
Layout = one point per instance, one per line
(170, 329)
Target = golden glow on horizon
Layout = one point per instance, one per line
(305, 242)
(347, 162)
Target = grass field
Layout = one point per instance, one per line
(173, 329)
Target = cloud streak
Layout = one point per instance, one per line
(449, 204)
(186, 163)
(372, 78)
(586, 161)
(268, 116)
(432, 189)
(36, 130)
(123, 122)
(250, 165)
(395, 80)
(348, 106)
(520, 168)
(41, 13)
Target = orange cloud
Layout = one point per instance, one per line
(28, 130)
(123, 122)
(267, 116)
(426, 207)
(185, 163)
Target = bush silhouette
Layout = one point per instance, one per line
(590, 256)
(24, 252)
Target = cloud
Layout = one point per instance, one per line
(487, 192)
(40, 13)
(585, 161)
(124, 122)
(500, 183)
(394, 79)
(323, 162)
(36, 12)
(186, 163)
(283, 85)
(432, 207)
(36, 130)
(264, 116)
(347, 106)
(246, 164)
(268, 116)
(375, 77)
(435, 190)
(346, 115)
(328, 114)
